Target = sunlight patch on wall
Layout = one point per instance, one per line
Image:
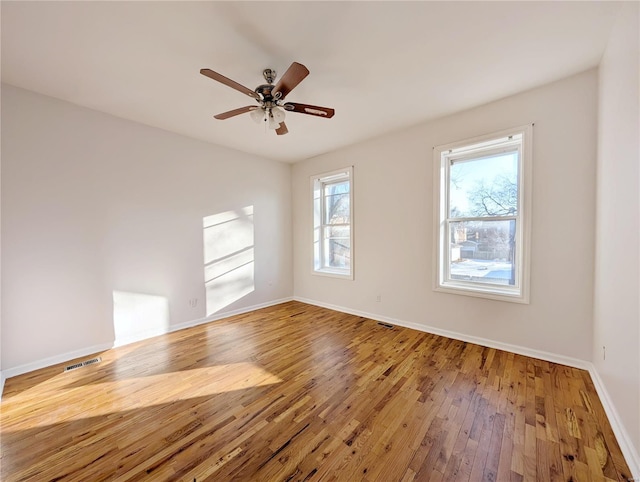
(228, 257)
(137, 316)
(152, 390)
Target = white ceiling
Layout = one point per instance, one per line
(382, 65)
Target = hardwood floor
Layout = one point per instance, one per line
(296, 392)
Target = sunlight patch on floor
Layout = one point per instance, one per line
(111, 397)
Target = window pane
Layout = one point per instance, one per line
(337, 253)
(483, 251)
(336, 207)
(341, 187)
(486, 186)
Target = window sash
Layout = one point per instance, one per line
(488, 152)
(514, 264)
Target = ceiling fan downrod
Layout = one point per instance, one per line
(269, 75)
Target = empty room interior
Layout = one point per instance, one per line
(306, 241)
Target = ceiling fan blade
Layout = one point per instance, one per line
(234, 112)
(309, 109)
(282, 130)
(291, 78)
(228, 82)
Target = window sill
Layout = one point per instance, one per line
(333, 273)
(484, 292)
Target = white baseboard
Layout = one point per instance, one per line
(520, 350)
(631, 455)
(626, 446)
(199, 321)
(54, 360)
(227, 314)
(142, 335)
(45, 362)
(2, 379)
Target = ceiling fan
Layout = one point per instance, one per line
(270, 98)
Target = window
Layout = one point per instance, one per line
(332, 223)
(482, 205)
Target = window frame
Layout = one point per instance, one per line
(317, 206)
(444, 156)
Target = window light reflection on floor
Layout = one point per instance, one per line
(148, 391)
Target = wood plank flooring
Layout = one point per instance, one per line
(300, 393)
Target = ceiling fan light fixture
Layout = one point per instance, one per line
(257, 115)
(273, 123)
(278, 115)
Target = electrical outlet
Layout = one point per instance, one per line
(604, 352)
(379, 298)
(193, 302)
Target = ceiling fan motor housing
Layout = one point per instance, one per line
(265, 91)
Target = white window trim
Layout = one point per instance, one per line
(332, 272)
(523, 264)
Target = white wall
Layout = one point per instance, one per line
(93, 204)
(617, 285)
(2, 376)
(394, 224)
